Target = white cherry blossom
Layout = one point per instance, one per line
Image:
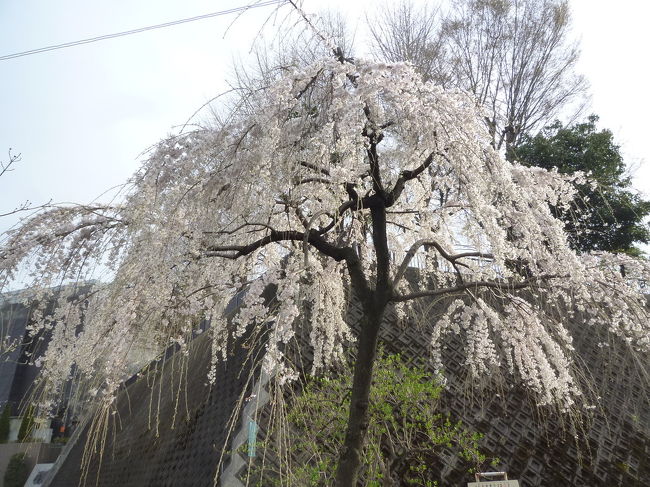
(345, 176)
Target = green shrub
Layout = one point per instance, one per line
(405, 435)
(5, 424)
(17, 471)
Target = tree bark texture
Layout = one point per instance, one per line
(374, 306)
(350, 457)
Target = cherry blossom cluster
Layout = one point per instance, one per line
(279, 198)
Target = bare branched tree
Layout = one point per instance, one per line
(404, 32)
(515, 56)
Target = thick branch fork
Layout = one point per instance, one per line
(380, 198)
(313, 238)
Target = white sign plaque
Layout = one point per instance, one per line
(495, 483)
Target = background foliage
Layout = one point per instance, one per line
(607, 215)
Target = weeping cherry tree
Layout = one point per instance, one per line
(332, 183)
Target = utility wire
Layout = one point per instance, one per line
(141, 29)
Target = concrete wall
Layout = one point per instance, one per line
(14, 428)
(41, 432)
(611, 448)
(144, 449)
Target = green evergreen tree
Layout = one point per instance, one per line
(5, 424)
(17, 471)
(608, 216)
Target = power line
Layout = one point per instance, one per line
(141, 29)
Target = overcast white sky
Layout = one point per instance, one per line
(81, 116)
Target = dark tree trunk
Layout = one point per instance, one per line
(350, 458)
(374, 304)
